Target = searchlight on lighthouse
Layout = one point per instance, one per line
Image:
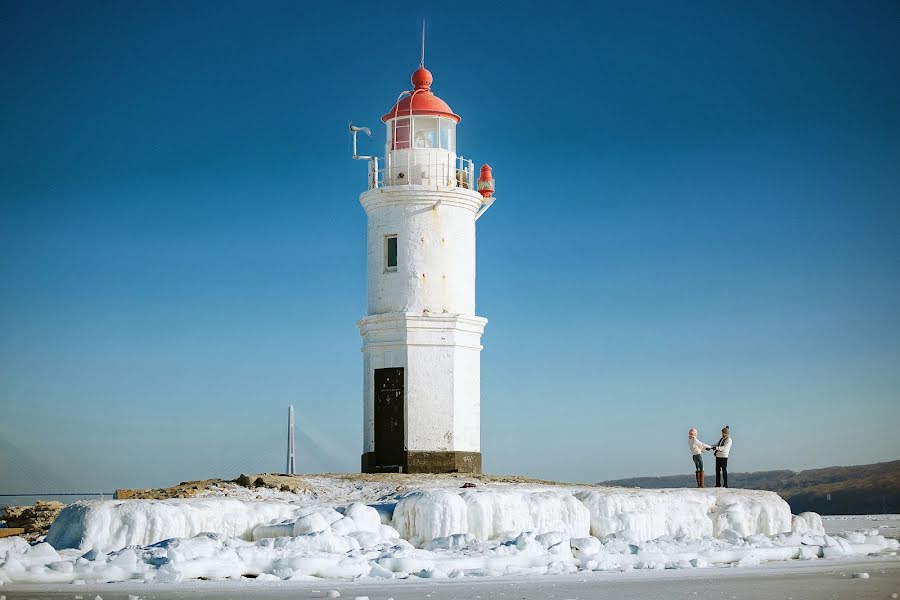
(421, 336)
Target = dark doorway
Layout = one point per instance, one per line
(389, 432)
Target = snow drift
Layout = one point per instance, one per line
(430, 532)
(114, 524)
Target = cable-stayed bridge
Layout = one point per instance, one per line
(24, 478)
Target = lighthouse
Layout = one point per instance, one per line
(421, 337)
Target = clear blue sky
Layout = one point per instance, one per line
(697, 224)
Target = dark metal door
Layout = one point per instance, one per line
(389, 417)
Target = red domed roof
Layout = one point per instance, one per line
(422, 101)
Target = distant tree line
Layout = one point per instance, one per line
(860, 489)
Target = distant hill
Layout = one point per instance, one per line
(861, 489)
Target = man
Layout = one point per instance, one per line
(721, 453)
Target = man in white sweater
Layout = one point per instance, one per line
(721, 451)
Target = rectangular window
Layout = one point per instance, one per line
(400, 137)
(390, 253)
(448, 132)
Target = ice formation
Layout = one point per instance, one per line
(430, 532)
(113, 524)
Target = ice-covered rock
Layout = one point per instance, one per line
(422, 516)
(559, 511)
(310, 523)
(365, 517)
(750, 511)
(113, 524)
(495, 514)
(640, 515)
(807, 523)
(586, 547)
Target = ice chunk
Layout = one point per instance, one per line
(422, 516)
(855, 537)
(311, 523)
(494, 514)
(642, 515)
(750, 511)
(273, 530)
(586, 546)
(365, 517)
(41, 554)
(381, 572)
(452, 542)
(807, 523)
(559, 511)
(112, 524)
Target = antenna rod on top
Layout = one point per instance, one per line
(422, 63)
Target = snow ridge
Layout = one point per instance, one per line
(436, 531)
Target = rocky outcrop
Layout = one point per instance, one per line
(34, 520)
(185, 489)
(283, 483)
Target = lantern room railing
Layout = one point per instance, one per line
(426, 168)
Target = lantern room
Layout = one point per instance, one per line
(420, 146)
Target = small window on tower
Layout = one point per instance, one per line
(390, 253)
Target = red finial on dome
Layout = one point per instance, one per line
(420, 101)
(421, 78)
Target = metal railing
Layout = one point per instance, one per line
(422, 168)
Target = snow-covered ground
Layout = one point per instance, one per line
(797, 580)
(352, 529)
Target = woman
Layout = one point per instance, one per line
(697, 447)
(721, 452)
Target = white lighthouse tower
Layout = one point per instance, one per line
(421, 336)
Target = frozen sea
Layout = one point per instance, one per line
(816, 580)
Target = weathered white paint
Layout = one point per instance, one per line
(435, 229)
(440, 355)
(422, 315)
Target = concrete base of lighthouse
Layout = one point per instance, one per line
(426, 462)
(422, 397)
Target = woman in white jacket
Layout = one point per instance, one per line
(697, 447)
(721, 451)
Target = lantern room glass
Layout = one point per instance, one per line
(426, 132)
(398, 131)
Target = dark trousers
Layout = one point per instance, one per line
(721, 472)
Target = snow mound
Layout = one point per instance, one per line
(434, 532)
(641, 515)
(496, 515)
(750, 512)
(808, 523)
(113, 524)
(422, 516)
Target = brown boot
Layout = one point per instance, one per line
(697, 477)
(701, 476)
